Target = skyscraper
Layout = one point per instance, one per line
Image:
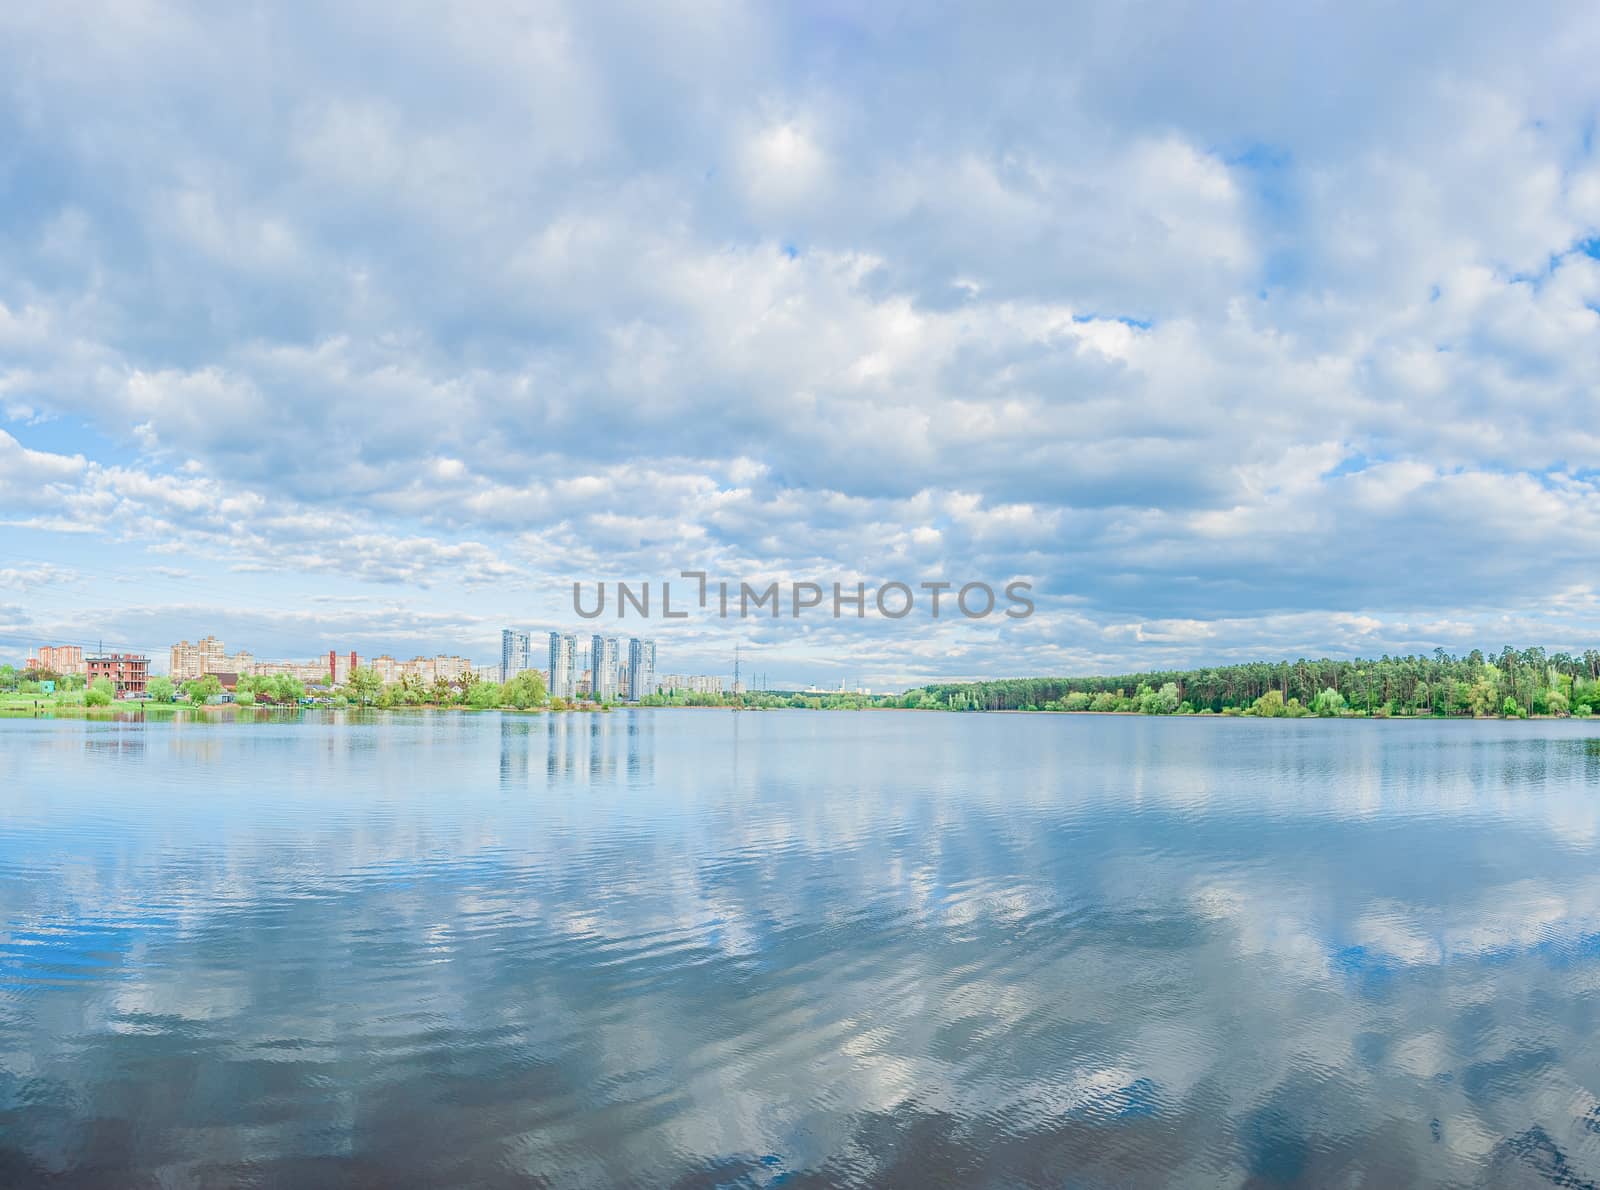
(515, 653)
(603, 660)
(563, 665)
(641, 668)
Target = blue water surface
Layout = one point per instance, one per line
(704, 948)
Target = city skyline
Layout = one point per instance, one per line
(187, 659)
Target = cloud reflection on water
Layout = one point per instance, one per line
(841, 948)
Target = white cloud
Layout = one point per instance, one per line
(536, 294)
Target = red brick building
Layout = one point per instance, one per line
(61, 659)
(127, 672)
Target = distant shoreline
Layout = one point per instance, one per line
(45, 709)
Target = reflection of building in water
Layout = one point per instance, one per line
(602, 748)
(641, 745)
(515, 741)
(589, 748)
(558, 756)
(126, 738)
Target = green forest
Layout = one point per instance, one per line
(1515, 683)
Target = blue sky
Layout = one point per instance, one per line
(1239, 332)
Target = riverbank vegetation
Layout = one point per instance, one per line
(1511, 683)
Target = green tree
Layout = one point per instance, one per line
(1330, 703)
(524, 691)
(161, 689)
(363, 686)
(483, 695)
(1269, 705)
(244, 698)
(100, 693)
(200, 690)
(1480, 697)
(1158, 702)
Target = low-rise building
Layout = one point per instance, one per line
(312, 673)
(689, 683)
(128, 673)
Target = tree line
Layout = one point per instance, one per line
(1511, 682)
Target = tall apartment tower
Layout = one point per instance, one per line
(641, 668)
(515, 653)
(604, 658)
(563, 665)
(205, 656)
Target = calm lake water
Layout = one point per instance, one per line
(696, 948)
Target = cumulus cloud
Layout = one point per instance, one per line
(1226, 344)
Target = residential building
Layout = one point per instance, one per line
(194, 660)
(563, 665)
(61, 659)
(515, 653)
(207, 655)
(689, 683)
(430, 669)
(312, 673)
(128, 673)
(451, 668)
(641, 668)
(604, 660)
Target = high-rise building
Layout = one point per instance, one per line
(641, 668)
(604, 657)
(563, 665)
(515, 653)
(206, 655)
(61, 659)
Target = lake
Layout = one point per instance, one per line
(703, 948)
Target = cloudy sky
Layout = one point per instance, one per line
(1239, 331)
